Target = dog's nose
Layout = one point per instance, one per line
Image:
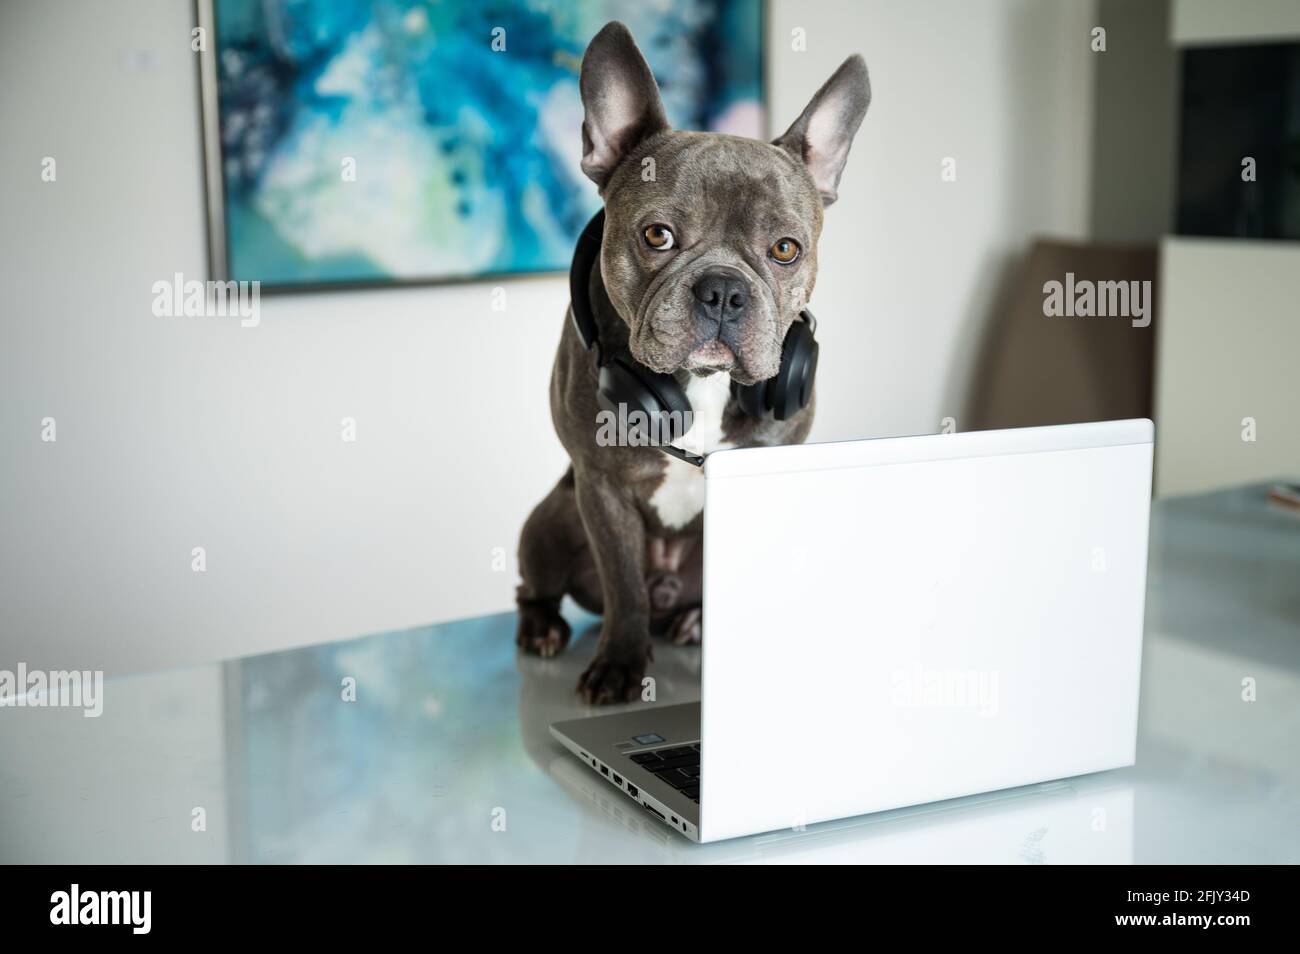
(721, 296)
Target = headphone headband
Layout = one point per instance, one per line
(585, 254)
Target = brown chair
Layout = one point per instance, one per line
(1037, 370)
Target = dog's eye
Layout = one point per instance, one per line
(659, 237)
(785, 251)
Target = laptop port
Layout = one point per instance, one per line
(618, 781)
(604, 770)
(654, 810)
(632, 790)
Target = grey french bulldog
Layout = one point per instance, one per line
(702, 269)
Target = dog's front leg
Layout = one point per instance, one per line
(616, 533)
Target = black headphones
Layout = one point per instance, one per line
(624, 381)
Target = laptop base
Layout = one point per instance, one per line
(627, 750)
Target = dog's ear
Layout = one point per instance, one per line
(621, 102)
(822, 134)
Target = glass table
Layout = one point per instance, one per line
(444, 754)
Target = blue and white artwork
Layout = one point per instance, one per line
(373, 141)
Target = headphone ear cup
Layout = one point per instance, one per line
(752, 398)
(806, 390)
(621, 394)
(667, 390)
(791, 389)
(675, 407)
(657, 396)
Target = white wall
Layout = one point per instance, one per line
(1226, 352)
(176, 433)
(1220, 23)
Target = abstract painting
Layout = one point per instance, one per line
(394, 141)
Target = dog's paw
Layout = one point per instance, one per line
(687, 627)
(607, 681)
(664, 591)
(542, 630)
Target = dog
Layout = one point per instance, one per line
(704, 265)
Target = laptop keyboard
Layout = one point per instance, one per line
(679, 766)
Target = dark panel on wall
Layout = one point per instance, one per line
(1240, 102)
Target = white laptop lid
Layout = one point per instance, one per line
(900, 621)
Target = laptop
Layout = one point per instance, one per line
(894, 622)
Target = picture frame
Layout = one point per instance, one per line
(481, 183)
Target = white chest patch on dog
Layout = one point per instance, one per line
(680, 498)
